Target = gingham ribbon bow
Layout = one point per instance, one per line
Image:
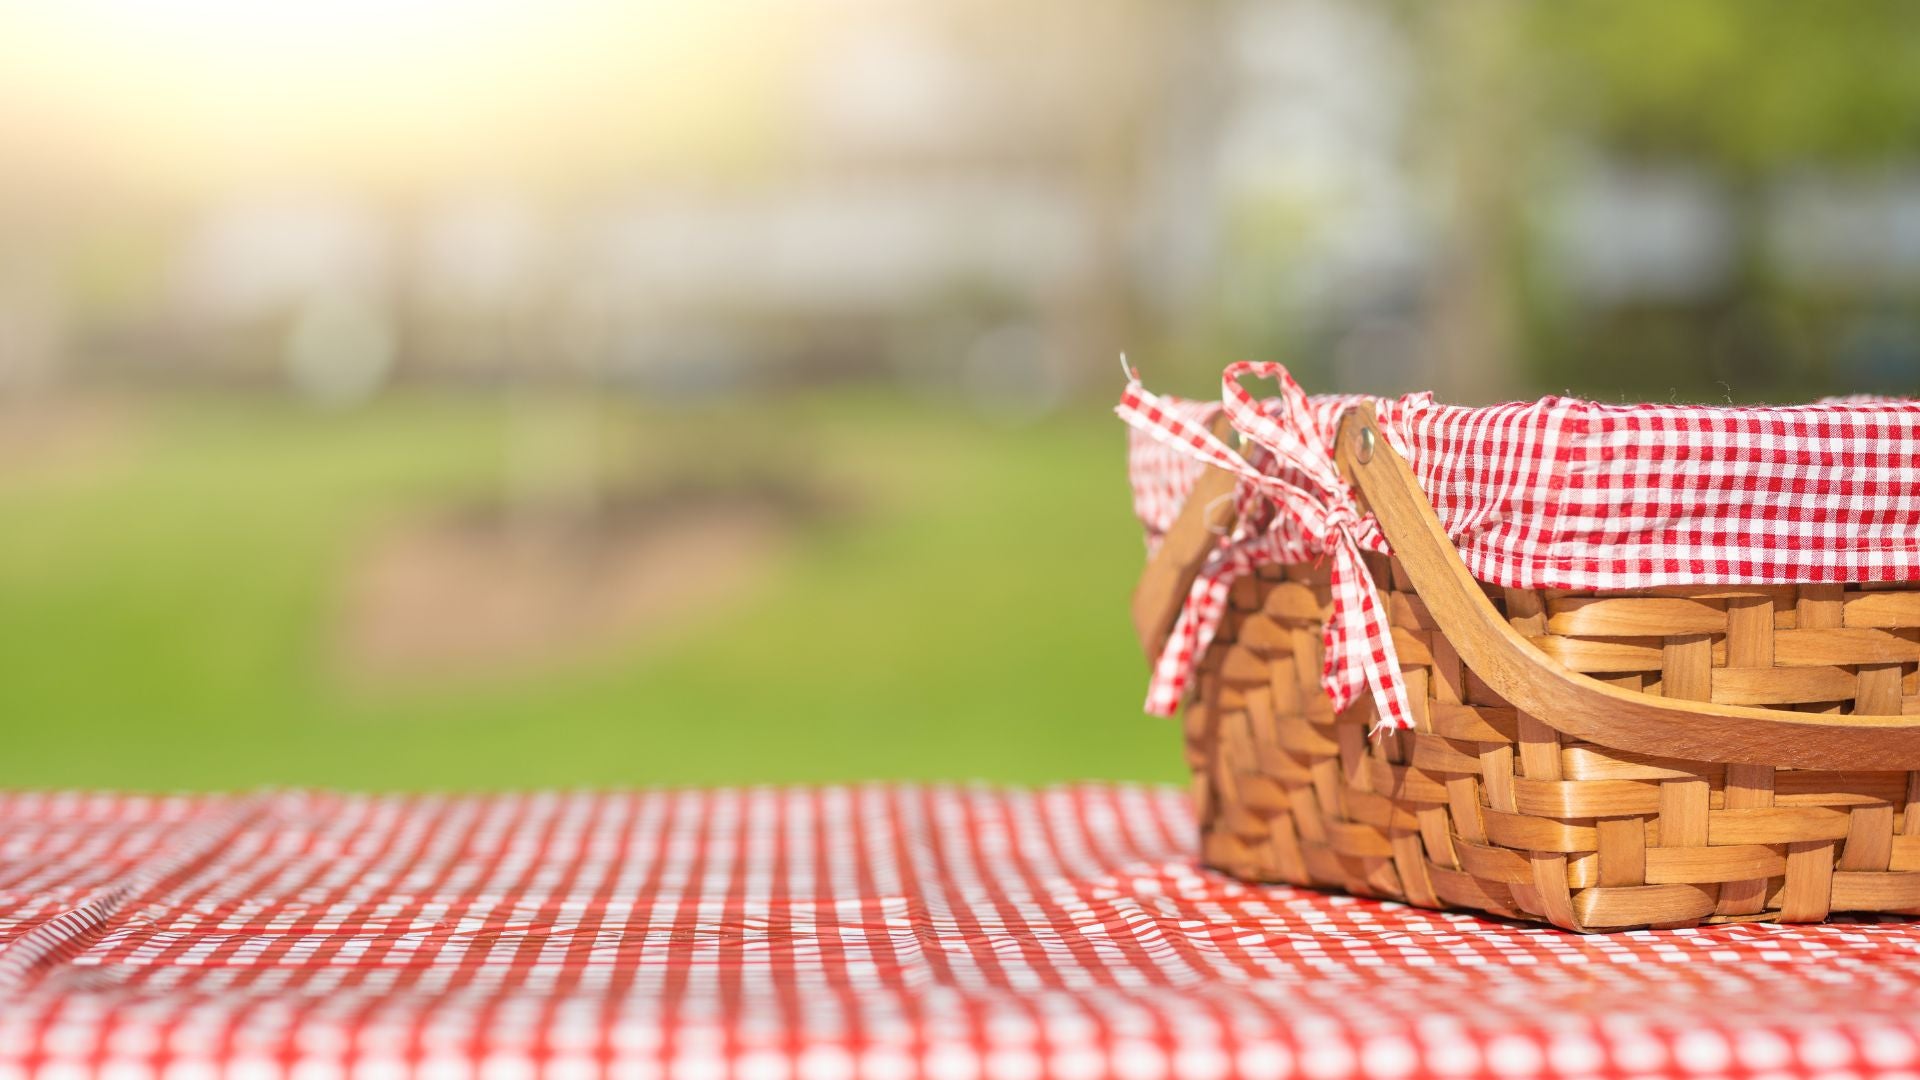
(1307, 490)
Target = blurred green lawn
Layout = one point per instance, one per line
(167, 611)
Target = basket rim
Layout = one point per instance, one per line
(1577, 704)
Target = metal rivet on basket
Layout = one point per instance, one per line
(1364, 452)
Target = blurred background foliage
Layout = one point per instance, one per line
(491, 393)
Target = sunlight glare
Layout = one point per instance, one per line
(390, 88)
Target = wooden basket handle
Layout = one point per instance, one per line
(1164, 585)
(1576, 704)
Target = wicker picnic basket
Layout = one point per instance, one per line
(1662, 757)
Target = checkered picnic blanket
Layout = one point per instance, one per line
(857, 933)
(1558, 493)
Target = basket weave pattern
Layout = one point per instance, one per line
(1482, 806)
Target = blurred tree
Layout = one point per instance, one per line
(1747, 90)
(1751, 85)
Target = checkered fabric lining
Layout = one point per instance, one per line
(1555, 494)
(864, 933)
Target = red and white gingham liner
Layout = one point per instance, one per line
(1313, 515)
(1555, 494)
(857, 933)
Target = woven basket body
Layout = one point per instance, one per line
(1548, 814)
(1482, 806)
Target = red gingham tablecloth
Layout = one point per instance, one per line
(862, 933)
